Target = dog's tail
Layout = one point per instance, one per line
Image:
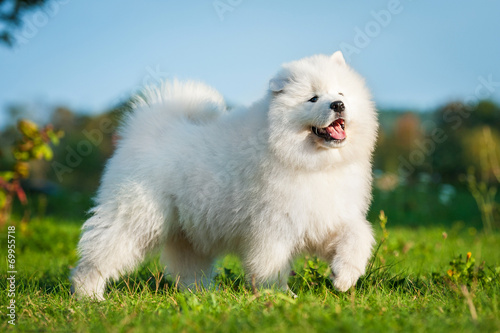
(191, 100)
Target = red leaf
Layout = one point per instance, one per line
(21, 195)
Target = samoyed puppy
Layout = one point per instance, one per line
(287, 175)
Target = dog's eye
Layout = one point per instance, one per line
(341, 94)
(314, 99)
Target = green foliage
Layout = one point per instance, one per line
(420, 204)
(33, 145)
(383, 222)
(443, 143)
(463, 126)
(465, 271)
(314, 275)
(484, 187)
(231, 279)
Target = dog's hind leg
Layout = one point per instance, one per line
(112, 244)
(189, 268)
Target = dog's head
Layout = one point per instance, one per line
(321, 113)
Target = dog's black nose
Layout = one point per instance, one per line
(337, 106)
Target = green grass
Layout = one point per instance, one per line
(407, 288)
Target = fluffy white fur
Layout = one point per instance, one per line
(194, 182)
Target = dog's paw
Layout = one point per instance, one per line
(344, 276)
(81, 295)
(80, 291)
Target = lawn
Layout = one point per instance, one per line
(410, 286)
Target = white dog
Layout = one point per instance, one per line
(289, 174)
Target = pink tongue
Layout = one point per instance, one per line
(336, 131)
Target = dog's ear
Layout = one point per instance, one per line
(277, 84)
(338, 58)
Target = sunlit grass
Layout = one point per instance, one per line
(400, 291)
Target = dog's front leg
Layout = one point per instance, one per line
(351, 250)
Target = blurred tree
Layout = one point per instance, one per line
(407, 132)
(463, 125)
(64, 119)
(11, 13)
(398, 137)
(88, 144)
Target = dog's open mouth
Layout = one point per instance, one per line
(333, 132)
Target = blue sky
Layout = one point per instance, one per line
(88, 55)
